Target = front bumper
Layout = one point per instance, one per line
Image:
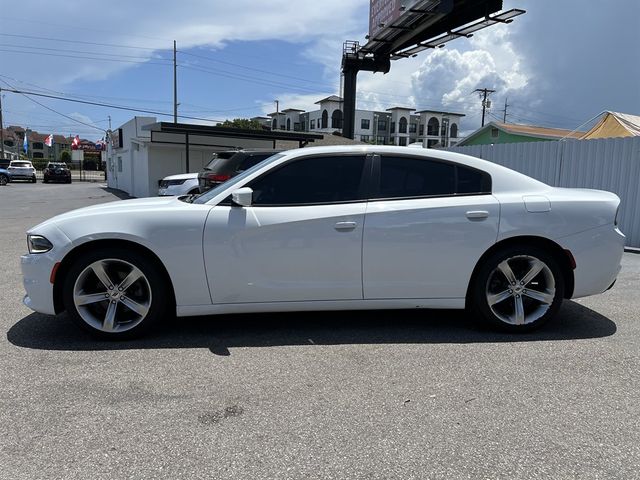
(36, 272)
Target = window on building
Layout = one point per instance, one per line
(421, 130)
(431, 143)
(364, 138)
(325, 119)
(119, 164)
(288, 124)
(8, 143)
(313, 125)
(365, 124)
(433, 126)
(274, 124)
(402, 125)
(495, 133)
(296, 127)
(402, 141)
(381, 140)
(38, 155)
(336, 119)
(413, 128)
(453, 131)
(37, 145)
(393, 127)
(382, 125)
(313, 180)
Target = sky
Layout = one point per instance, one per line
(559, 65)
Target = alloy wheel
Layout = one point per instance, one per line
(112, 295)
(520, 290)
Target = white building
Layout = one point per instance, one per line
(142, 151)
(395, 126)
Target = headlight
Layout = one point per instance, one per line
(38, 244)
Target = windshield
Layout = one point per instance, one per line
(208, 195)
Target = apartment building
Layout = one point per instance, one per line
(394, 126)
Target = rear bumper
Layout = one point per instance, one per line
(598, 254)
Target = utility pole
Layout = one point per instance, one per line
(484, 92)
(175, 85)
(109, 117)
(1, 129)
(277, 114)
(504, 116)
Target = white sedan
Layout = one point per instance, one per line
(331, 228)
(180, 184)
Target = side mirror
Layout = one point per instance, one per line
(242, 197)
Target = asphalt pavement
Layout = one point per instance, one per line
(366, 395)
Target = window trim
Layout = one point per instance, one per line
(374, 188)
(365, 190)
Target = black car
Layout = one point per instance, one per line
(227, 164)
(57, 171)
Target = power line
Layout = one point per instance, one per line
(48, 108)
(78, 51)
(107, 105)
(84, 57)
(49, 39)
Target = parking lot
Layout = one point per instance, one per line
(376, 395)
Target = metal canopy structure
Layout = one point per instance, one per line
(203, 135)
(402, 29)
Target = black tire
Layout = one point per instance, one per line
(535, 313)
(33, 180)
(69, 180)
(160, 303)
(3, 179)
(44, 180)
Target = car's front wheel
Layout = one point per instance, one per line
(114, 293)
(3, 179)
(33, 180)
(518, 289)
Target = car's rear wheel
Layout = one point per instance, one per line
(33, 180)
(114, 293)
(518, 289)
(4, 180)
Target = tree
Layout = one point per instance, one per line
(65, 156)
(241, 123)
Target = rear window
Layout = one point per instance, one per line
(20, 164)
(252, 160)
(218, 159)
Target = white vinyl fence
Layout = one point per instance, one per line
(611, 164)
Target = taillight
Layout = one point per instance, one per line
(214, 177)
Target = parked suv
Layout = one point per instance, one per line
(4, 176)
(57, 171)
(22, 170)
(230, 163)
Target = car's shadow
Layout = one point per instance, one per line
(224, 332)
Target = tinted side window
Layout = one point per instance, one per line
(252, 160)
(414, 177)
(473, 181)
(311, 180)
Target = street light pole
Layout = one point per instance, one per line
(1, 129)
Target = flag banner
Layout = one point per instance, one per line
(76, 143)
(49, 141)
(25, 143)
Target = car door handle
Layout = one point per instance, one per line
(345, 225)
(477, 214)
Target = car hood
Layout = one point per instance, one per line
(118, 207)
(182, 176)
